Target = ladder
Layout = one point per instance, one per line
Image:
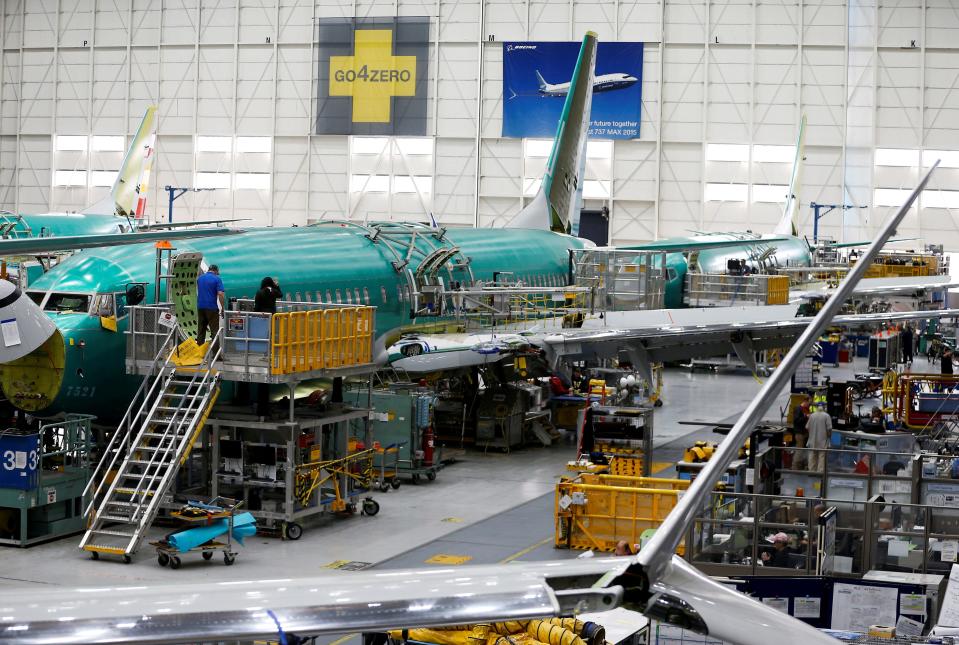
(152, 442)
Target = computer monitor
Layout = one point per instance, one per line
(231, 449)
(260, 454)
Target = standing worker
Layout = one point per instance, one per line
(946, 362)
(266, 297)
(209, 294)
(265, 302)
(801, 433)
(905, 340)
(820, 430)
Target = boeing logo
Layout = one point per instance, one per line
(604, 83)
(510, 48)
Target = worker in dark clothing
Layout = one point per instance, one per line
(779, 557)
(905, 341)
(801, 433)
(946, 361)
(209, 302)
(265, 302)
(266, 297)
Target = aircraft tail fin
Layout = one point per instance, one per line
(789, 222)
(557, 204)
(542, 82)
(128, 195)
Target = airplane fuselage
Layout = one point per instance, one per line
(322, 264)
(604, 83)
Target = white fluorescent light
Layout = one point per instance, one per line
(727, 152)
(214, 144)
(70, 177)
(890, 196)
(774, 154)
(950, 158)
(595, 189)
(538, 147)
(253, 144)
(369, 145)
(726, 192)
(770, 193)
(369, 183)
(103, 177)
(107, 143)
(415, 145)
(940, 198)
(71, 142)
(599, 149)
(252, 181)
(904, 157)
(405, 184)
(212, 180)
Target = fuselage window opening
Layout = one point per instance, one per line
(670, 274)
(309, 297)
(329, 299)
(366, 296)
(356, 296)
(383, 294)
(349, 298)
(339, 297)
(319, 296)
(298, 298)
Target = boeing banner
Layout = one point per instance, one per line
(536, 78)
(372, 76)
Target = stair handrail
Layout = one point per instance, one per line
(142, 392)
(207, 377)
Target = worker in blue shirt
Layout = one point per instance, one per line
(209, 292)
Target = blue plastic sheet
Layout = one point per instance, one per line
(244, 526)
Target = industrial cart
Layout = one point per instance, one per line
(386, 459)
(194, 516)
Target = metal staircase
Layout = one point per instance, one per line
(153, 440)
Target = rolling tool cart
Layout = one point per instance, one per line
(199, 518)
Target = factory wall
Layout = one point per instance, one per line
(725, 85)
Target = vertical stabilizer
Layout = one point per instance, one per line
(789, 223)
(134, 171)
(557, 203)
(542, 82)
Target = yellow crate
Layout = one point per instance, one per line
(616, 507)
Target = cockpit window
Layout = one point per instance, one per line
(36, 296)
(72, 302)
(102, 305)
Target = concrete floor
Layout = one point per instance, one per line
(489, 507)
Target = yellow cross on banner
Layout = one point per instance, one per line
(372, 76)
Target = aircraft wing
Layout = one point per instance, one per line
(697, 333)
(690, 245)
(160, 226)
(886, 286)
(42, 245)
(376, 601)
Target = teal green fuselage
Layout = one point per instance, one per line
(320, 263)
(68, 224)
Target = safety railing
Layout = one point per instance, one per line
(302, 337)
(621, 279)
(723, 290)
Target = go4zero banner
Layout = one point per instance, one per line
(372, 76)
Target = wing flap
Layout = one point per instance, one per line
(43, 245)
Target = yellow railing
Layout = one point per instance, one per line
(302, 341)
(597, 511)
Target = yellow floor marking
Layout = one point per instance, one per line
(445, 558)
(453, 520)
(532, 547)
(660, 466)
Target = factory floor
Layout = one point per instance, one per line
(484, 508)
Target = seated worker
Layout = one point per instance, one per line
(780, 554)
(624, 548)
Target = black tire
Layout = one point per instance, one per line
(658, 403)
(127, 559)
(208, 555)
(371, 507)
(292, 531)
(228, 559)
(431, 475)
(395, 483)
(163, 559)
(94, 555)
(175, 562)
(384, 487)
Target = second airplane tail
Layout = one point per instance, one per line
(543, 85)
(556, 205)
(128, 195)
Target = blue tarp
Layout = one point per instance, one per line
(244, 525)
